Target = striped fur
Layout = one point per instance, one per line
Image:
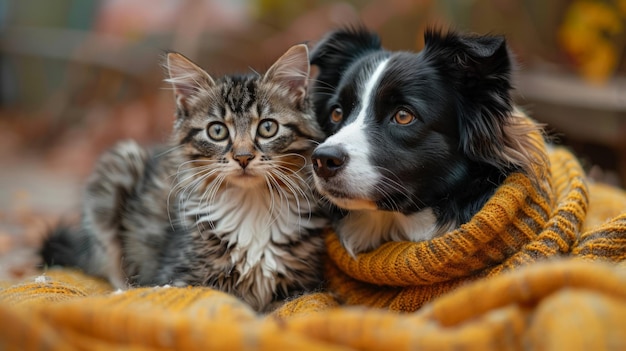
(226, 204)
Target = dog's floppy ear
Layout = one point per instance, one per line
(480, 69)
(340, 48)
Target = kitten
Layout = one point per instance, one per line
(226, 205)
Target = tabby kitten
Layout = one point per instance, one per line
(226, 205)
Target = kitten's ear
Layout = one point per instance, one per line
(292, 71)
(186, 78)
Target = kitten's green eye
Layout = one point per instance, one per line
(217, 131)
(268, 128)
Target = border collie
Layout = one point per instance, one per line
(417, 142)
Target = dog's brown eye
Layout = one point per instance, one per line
(403, 117)
(337, 115)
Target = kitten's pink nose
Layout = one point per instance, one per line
(244, 158)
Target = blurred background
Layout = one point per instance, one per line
(78, 75)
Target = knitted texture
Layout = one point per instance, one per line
(541, 266)
(552, 305)
(524, 222)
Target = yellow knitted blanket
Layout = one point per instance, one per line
(524, 222)
(539, 267)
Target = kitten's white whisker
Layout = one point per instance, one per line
(301, 166)
(204, 162)
(271, 192)
(274, 215)
(193, 173)
(296, 190)
(190, 188)
(326, 85)
(289, 173)
(209, 194)
(165, 152)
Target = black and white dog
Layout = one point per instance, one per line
(417, 142)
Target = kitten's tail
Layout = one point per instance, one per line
(67, 246)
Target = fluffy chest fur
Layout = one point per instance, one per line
(255, 243)
(255, 225)
(365, 230)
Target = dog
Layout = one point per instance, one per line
(416, 142)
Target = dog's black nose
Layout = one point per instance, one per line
(328, 160)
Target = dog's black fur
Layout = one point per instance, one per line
(464, 139)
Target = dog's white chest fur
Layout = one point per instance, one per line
(365, 230)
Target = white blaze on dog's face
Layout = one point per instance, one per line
(354, 187)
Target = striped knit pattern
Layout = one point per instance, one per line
(605, 242)
(562, 305)
(524, 222)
